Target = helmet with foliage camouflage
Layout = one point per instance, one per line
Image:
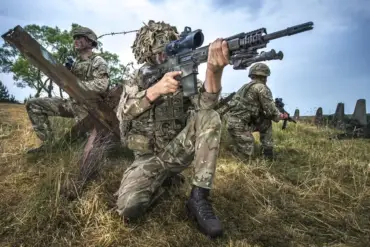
(259, 69)
(86, 32)
(151, 38)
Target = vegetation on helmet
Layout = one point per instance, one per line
(260, 69)
(151, 39)
(86, 32)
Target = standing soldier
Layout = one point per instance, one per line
(169, 131)
(253, 109)
(91, 69)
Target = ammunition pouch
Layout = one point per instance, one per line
(155, 128)
(170, 116)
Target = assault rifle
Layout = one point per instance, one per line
(185, 56)
(280, 105)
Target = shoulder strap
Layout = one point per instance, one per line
(89, 69)
(240, 99)
(244, 89)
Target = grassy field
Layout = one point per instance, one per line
(316, 194)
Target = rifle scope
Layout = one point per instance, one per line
(189, 40)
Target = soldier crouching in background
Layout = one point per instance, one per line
(253, 109)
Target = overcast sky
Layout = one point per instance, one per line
(322, 67)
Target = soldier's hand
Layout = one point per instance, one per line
(284, 116)
(218, 56)
(168, 83)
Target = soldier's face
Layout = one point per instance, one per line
(81, 43)
(160, 58)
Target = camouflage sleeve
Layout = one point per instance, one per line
(204, 100)
(267, 102)
(132, 102)
(100, 76)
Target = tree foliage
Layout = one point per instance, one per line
(60, 44)
(118, 73)
(5, 96)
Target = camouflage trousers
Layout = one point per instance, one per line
(242, 138)
(39, 110)
(198, 142)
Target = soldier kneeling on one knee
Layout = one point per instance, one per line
(253, 109)
(92, 72)
(168, 131)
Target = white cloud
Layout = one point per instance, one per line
(300, 51)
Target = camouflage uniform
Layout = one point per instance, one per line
(252, 110)
(93, 75)
(166, 137)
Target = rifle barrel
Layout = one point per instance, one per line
(289, 31)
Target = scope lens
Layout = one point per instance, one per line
(198, 39)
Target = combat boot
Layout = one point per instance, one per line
(45, 146)
(41, 148)
(200, 209)
(268, 153)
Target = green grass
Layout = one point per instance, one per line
(316, 194)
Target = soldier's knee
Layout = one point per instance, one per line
(32, 103)
(132, 205)
(131, 212)
(210, 117)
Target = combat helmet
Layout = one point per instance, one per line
(86, 32)
(151, 38)
(259, 69)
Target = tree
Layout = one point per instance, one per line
(118, 73)
(5, 96)
(60, 44)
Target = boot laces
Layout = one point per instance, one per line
(206, 210)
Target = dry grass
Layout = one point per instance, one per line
(316, 194)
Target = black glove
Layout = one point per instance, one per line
(69, 63)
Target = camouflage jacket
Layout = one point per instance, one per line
(254, 101)
(148, 127)
(93, 73)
